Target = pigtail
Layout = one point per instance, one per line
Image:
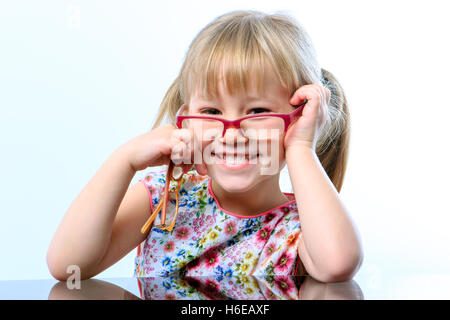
(170, 104)
(333, 148)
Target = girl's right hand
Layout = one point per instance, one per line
(158, 146)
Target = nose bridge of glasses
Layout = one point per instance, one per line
(235, 132)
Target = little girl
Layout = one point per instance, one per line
(232, 220)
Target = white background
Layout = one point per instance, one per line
(80, 78)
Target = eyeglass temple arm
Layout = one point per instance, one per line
(172, 225)
(166, 191)
(150, 220)
(289, 118)
(162, 203)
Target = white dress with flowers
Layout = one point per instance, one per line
(208, 241)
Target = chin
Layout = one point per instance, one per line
(234, 180)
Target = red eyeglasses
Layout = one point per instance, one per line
(218, 126)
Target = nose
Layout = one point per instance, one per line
(233, 135)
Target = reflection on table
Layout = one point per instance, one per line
(208, 288)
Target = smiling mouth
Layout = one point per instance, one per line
(234, 158)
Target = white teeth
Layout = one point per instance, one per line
(236, 159)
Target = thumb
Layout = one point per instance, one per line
(201, 169)
(187, 167)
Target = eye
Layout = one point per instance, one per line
(210, 111)
(260, 110)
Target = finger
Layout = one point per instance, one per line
(181, 169)
(181, 153)
(297, 97)
(200, 155)
(183, 135)
(303, 93)
(176, 154)
(313, 97)
(165, 148)
(201, 169)
(187, 167)
(308, 92)
(187, 154)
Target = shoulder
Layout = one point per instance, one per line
(289, 221)
(289, 209)
(154, 177)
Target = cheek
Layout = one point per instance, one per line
(277, 151)
(281, 148)
(273, 147)
(203, 150)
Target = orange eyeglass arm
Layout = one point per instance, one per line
(163, 203)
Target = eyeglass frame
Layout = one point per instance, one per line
(288, 118)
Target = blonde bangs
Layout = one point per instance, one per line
(237, 53)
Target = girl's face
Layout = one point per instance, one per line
(239, 160)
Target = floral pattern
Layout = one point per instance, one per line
(224, 287)
(208, 241)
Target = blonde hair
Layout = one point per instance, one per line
(238, 45)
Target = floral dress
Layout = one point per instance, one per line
(210, 242)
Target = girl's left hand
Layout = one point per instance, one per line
(305, 130)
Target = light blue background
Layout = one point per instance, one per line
(80, 78)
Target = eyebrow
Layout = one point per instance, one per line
(249, 99)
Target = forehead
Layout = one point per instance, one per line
(261, 84)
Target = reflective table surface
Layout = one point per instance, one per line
(171, 288)
(367, 285)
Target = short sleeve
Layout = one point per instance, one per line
(154, 182)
